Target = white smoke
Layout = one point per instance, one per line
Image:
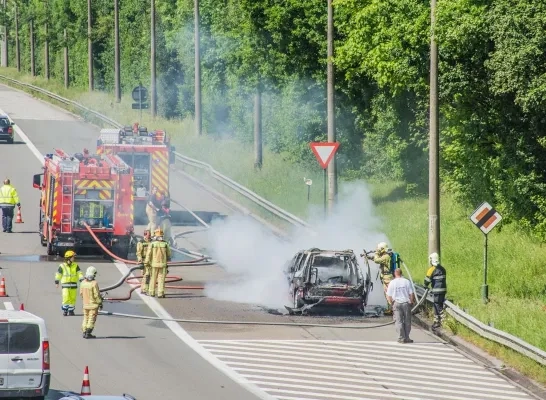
(256, 258)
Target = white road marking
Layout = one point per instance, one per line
(317, 369)
(8, 306)
(162, 313)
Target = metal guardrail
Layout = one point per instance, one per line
(459, 315)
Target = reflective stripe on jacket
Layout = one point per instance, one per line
(90, 293)
(141, 250)
(69, 275)
(8, 196)
(436, 277)
(158, 254)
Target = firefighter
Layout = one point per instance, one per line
(382, 258)
(8, 200)
(157, 256)
(436, 278)
(152, 207)
(92, 302)
(69, 274)
(164, 218)
(141, 251)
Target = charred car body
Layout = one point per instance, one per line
(328, 278)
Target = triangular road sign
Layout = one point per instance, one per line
(324, 151)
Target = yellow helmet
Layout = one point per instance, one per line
(434, 259)
(69, 254)
(382, 247)
(158, 232)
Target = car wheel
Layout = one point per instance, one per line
(298, 301)
(10, 141)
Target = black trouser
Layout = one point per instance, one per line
(439, 306)
(7, 218)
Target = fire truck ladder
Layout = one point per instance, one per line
(67, 202)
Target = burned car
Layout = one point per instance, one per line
(328, 278)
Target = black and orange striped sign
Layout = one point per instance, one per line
(485, 217)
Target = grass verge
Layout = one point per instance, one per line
(517, 279)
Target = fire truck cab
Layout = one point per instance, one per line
(82, 189)
(148, 153)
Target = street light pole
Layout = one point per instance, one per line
(152, 62)
(198, 118)
(332, 174)
(434, 145)
(89, 47)
(117, 78)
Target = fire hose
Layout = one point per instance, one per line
(290, 324)
(128, 279)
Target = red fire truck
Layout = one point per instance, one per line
(79, 189)
(148, 153)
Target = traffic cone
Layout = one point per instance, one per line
(22, 308)
(19, 219)
(86, 387)
(3, 288)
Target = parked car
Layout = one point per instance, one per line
(328, 278)
(6, 129)
(75, 396)
(24, 355)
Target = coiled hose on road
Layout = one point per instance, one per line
(291, 324)
(129, 279)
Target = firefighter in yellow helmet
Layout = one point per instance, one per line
(92, 302)
(436, 278)
(69, 274)
(141, 251)
(159, 253)
(382, 258)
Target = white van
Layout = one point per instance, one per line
(24, 355)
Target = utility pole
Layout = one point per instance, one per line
(89, 47)
(117, 78)
(434, 146)
(258, 147)
(17, 48)
(198, 118)
(4, 36)
(66, 71)
(152, 63)
(332, 173)
(32, 63)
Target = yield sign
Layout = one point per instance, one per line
(324, 151)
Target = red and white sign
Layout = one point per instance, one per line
(485, 217)
(324, 151)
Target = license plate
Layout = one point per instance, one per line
(65, 244)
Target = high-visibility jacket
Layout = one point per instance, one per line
(69, 275)
(158, 254)
(384, 262)
(8, 196)
(436, 277)
(90, 293)
(142, 249)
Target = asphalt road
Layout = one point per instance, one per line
(148, 359)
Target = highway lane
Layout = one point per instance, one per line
(139, 357)
(265, 355)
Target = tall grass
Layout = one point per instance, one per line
(517, 276)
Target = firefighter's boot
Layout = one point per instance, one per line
(88, 334)
(71, 313)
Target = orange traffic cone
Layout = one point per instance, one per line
(86, 387)
(19, 219)
(3, 288)
(22, 308)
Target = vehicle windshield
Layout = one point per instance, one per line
(335, 269)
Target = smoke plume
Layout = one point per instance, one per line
(255, 258)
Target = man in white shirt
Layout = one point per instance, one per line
(400, 295)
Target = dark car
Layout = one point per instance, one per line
(6, 129)
(328, 278)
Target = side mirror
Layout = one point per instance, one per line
(12, 123)
(314, 275)
(172, 156)
(37, 181)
